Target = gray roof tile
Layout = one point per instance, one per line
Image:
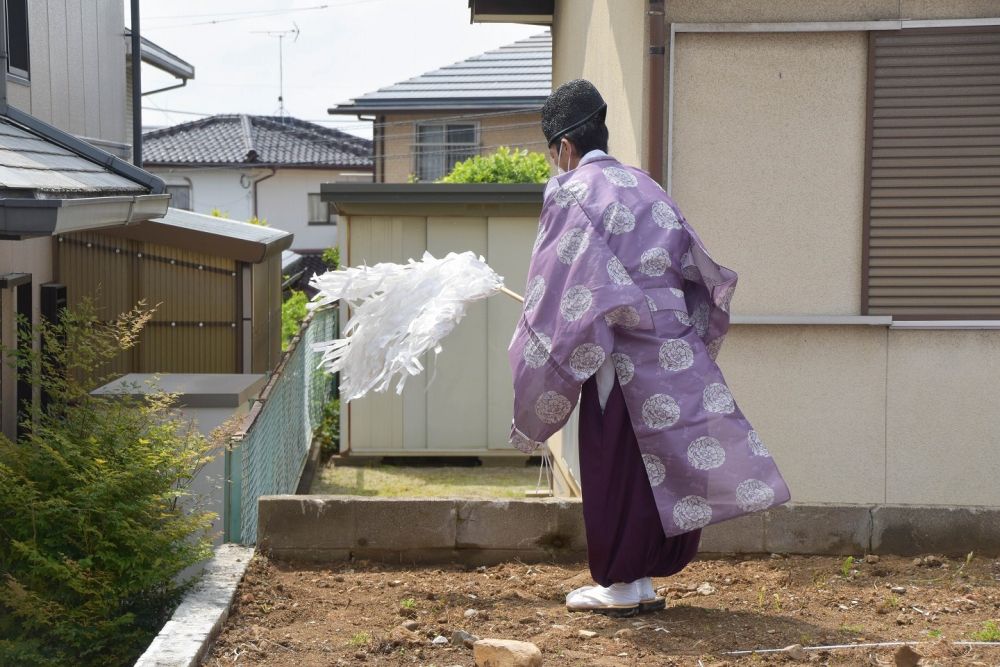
(241, 140)
(30, 162)
(518, 75)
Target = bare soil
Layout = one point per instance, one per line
(299, 615)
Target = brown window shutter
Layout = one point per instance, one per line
(932, 191)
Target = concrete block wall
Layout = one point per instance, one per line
(399, 530)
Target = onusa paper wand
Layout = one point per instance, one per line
(399, 312)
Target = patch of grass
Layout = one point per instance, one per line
(846, 566)
(413, 482)
(890, 603)
(853, 629)
(934, 634)
(989, 633)
(408, 603)
(360, 639)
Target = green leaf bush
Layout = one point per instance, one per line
(504, 166)
(293, 311)
(97, 520)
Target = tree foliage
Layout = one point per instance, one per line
(97, 521)
(504, 166)
(293, 312)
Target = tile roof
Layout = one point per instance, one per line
(29, 161)
(267, 141)
(515, 76)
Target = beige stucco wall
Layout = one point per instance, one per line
(768, 163)
(77, 54)
(32, 256)
(765, 11)
(604, 41)
(517, 130)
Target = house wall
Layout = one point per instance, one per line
(517, 130)
(604, 41)
(77, 54)
(768, 165)
(282, 200)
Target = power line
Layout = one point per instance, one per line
(248, 16)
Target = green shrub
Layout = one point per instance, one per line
(331, 257)
(96, 518)
(504, 166)
(293, 311)
(328, 430)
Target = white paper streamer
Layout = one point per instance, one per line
(400, 311)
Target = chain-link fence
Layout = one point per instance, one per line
(270, 455)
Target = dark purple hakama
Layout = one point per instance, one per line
(625, 538)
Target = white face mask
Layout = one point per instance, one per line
(559, 167)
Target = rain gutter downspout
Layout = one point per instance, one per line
(3, 57)
(260, 180)
(655, 13)
(136, 87)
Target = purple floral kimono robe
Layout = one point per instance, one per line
(617, 271)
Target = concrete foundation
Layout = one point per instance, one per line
(328, 528)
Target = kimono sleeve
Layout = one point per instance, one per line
(573, 305)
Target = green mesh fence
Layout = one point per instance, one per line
(270, 457)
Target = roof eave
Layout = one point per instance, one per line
(157, 56)
(531, 12)
(31, 218)
(255, 165)
(525, 104)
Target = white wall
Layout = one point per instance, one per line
(282, 200)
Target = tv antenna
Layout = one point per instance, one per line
(281, 34)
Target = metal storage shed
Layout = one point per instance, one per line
(216, 284)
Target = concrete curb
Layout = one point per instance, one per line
(399, 530)
(187, 636)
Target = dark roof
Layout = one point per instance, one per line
(29, 161)
(266, 141)
(516, 76)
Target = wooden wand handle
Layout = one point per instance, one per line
(512, 294)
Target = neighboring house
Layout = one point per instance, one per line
(63, 131)
(843, 157)
(62, 78)
(423, 126)
(259, 166)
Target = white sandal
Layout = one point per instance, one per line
(619, 600)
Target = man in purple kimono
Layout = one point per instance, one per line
(625, 305)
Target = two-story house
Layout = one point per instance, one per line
(423, 126)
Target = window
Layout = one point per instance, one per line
(320, 212)
(180, 196)
(440, 147)
(932, 184)
(17, 37)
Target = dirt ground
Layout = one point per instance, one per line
(289, 614)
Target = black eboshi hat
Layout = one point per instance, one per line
(570, 106)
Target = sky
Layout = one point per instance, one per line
(344, 48)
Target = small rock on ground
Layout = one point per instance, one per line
(412, 626)
(440, 640)
(506, 653)
(586, 634)
(463, 638)
(706, 589)
(796, 652)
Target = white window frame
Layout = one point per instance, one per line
(331, 216)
